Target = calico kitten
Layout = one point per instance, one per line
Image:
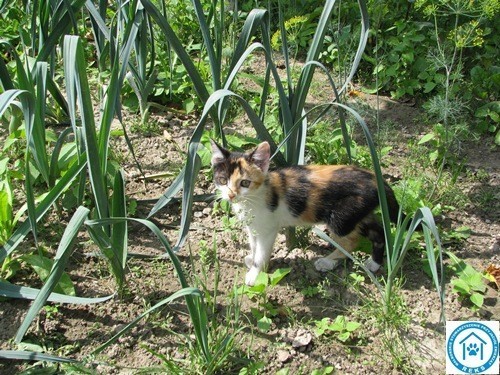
(341, 196)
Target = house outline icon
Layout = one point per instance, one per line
(463, 343)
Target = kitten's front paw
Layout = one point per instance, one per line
(251, 276)
(249, 261)
(325, 264)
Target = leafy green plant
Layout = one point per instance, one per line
(310, 291)
(224, 328)
(299, 33)
(265, 310)
(208, 254)
(400, 65)
(489, 115)
(341, 326)
(469, 283)
(324, 371)
(441, 141)
(326, 145)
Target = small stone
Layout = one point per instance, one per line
(283, 356)
(303, 338)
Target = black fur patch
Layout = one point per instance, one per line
(228, 166)
(273, 198)
(296, 195)
(350, 196)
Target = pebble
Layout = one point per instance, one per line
(303, 338)
(283, 356)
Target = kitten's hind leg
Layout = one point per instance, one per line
(375, 233)
(330, 262)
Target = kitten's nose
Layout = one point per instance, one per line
(231, 195)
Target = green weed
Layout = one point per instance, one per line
(341, 327)
(259, 292)
(469, 283)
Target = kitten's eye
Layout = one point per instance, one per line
(245, 183)
(222, 180)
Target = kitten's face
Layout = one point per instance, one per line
(239, 175)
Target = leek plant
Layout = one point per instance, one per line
(106, 220)
(291, 100)
(290, 149)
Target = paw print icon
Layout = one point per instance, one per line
(473, 346)
(473, 349)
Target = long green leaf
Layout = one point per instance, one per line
(119, 233)
(328, 239)
(33, 356)
(24, 292)
(215, 62)
(63, 253)
(27, 105)
(76, 75)
(54, 171)
(118, 72)
(189, 291)
(173, 189)
(62, 25)
(38, 130)
(176, 44)
(42, 208)
(196, 306)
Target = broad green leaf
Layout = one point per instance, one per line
(352, 326)
(278, 275)
(426, 138)
(42, 266)
(264, 323)
(262, 279)
(344, 336)
(477, 299)
(429, 86)
(460, 286)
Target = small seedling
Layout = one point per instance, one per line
(310, 291)
(51, 311)
(469, 283)
(229, 222)
(265, 309)
(341, 326)
(208, 254)
(323, 371)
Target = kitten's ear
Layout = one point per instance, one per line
(261, 156)
(219, 154)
